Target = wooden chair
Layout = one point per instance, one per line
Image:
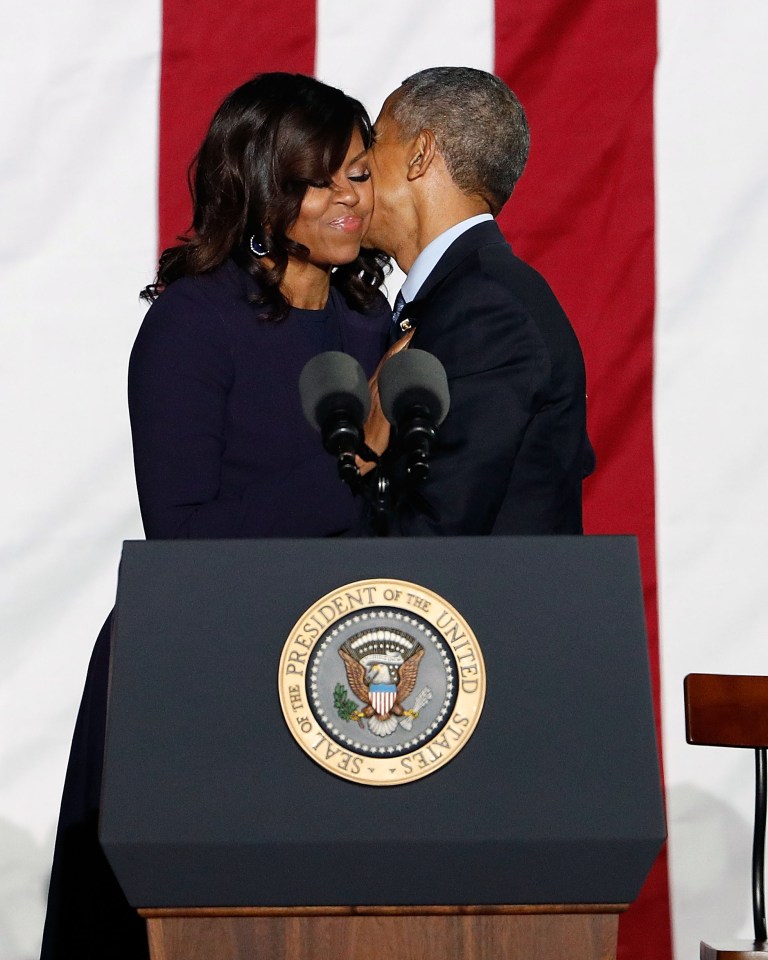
(732, 711)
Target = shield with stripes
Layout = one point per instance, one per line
(383, 697)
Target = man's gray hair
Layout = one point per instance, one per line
(479, 125)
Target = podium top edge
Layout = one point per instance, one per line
(536, 538)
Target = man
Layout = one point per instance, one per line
(450, 144)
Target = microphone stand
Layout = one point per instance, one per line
(413, 438)
(343, 438)
(417, 437)
(415, 444)
(375, 489)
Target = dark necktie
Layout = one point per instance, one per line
(398, 327)
(398, 307)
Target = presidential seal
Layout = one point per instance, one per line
(381, 682)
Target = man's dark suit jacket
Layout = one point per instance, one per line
(513, 449)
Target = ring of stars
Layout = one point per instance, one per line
(377, 620)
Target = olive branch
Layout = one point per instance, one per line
(345, 707)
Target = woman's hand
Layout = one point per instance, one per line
(377, 427)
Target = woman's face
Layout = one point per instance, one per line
(333, 219)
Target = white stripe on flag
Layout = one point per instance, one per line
(711, 419)
(369, 52)
(78, 109)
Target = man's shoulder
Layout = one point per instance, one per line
(492, 306)
(490, 274)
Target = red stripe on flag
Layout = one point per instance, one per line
(584, 216)
(209, 48)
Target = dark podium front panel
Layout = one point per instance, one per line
(209, 801)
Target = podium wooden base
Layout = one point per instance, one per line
(570, 932)
(736, 950)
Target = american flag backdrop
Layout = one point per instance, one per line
(644, 204)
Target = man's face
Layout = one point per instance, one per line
(389, 172)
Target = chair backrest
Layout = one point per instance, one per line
(726, 711)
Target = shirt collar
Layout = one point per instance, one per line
(429, 257)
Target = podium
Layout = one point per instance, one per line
(234, 843)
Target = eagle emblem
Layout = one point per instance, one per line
(382, 668)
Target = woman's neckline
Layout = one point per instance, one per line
(316, 314)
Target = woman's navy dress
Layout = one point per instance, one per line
(221, 450)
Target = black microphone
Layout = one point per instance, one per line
(335, 400)
(413, 389)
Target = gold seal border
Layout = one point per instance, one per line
(360, 596)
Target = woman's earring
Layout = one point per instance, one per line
(258, 249)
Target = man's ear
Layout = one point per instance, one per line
(422, 154)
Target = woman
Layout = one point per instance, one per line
(221, 448)
(271, 274)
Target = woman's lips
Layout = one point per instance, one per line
(348, 224)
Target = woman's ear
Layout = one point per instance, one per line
(422, 154)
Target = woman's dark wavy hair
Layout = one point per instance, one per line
(270, 139)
